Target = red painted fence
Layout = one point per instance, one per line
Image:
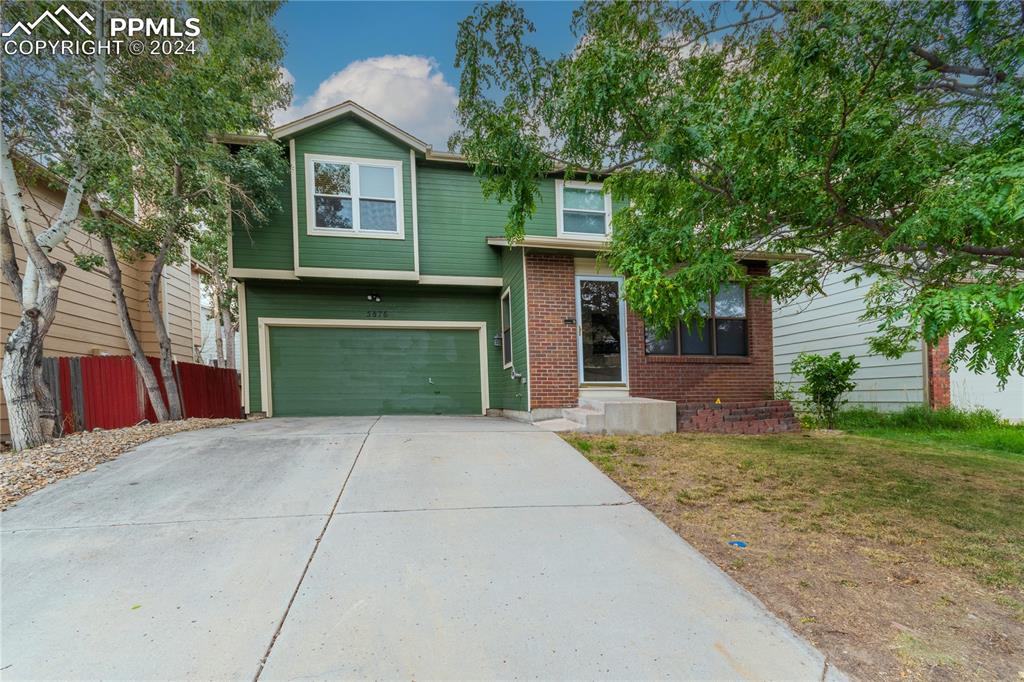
(107, 392)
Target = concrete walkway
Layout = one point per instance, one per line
(395, 548)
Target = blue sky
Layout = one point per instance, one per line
(395, 58)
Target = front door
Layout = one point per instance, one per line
(601, 330)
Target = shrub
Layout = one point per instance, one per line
(826, 379)
(783, 391)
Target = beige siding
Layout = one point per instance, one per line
(87, 321)
(828, 323)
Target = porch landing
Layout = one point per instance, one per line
(615, 415)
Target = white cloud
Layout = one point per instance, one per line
(286, 75)
(406, 90)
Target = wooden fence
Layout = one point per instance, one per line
(107, 392)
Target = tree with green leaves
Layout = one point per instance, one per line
(211, 248)
(52, 107)
(878, 138)
(135, 133)
(180, 179)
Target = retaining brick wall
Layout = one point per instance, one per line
(695, 378)
(550, 300)
(938, 374)
(750, 417)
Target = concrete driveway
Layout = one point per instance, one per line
(393, 547)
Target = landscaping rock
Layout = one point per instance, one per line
(25, 472)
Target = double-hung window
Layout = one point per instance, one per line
(506, 330)
(721, 332)
(354, 197)
(584, 210)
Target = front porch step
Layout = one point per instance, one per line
(590, 419)
(623, 415)
(558, 425)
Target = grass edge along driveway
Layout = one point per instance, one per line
(898, 557)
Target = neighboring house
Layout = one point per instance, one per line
(87, 321)
(208, 333)
(385, 285)
(828, 323)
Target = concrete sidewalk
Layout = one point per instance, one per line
(398, 547)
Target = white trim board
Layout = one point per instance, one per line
(356, 273)
(265, 323)
(243, 328)
(258, 273)
(349, 107)
(295, 208)
(415, 212)
(526, 331)
(456, 280)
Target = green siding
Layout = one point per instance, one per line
(542, 224)
(267, 245)
(330, 371)
(455, 220)
(512, 395)
(347, 137)
(323, 300)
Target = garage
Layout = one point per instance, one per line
(335, 368)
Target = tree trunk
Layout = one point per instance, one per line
(29, 403)
(229, 337)
(218, 335)
(142, 365)
(19, 382)
(166, 355)
(30, 411)
(30, 406)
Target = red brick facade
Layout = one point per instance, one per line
(938, 374)
(554, 375)
(690, 378)
(550, 301)
(756, 416)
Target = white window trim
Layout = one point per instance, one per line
(506, 296)
(560, 186)
(311, 227)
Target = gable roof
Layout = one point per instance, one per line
(348, 108)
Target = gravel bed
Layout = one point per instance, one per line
(25, 472)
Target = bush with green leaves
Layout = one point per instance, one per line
(827, 378)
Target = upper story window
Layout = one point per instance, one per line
(723, 331)
(584, 210)
(354, 197)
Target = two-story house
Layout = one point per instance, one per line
(385, 285)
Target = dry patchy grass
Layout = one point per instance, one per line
(898, 559)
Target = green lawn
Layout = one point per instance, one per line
(880, 544)
(949, 428)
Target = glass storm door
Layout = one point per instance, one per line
(601, 333)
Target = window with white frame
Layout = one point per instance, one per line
(584, 209)
(506, 329)
(354, 197)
